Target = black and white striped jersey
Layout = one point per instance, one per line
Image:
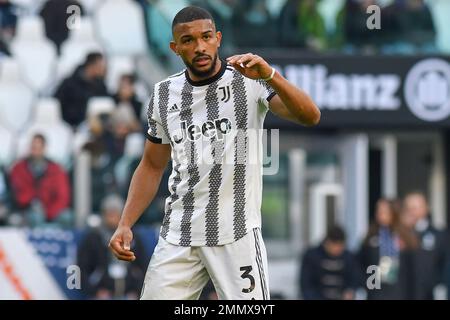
(214, 127)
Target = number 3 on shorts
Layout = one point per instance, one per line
(246, 274)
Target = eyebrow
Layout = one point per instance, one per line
(190, 36)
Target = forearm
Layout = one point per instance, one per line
(299, 104)
(143, 188)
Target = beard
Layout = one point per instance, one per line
(202, 74)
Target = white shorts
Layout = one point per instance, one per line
(238, 270)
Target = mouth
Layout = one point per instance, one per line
(202, 61)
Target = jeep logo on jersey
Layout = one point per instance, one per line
(208, 129)
(427, 90)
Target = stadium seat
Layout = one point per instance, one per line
(48, 111)
(81, 41)
(117, 66)
(29, 6)
(15, 97)
(35, 54)
(59, 135)
(116, 36)
(7, 147)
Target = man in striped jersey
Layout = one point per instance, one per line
(208, 120)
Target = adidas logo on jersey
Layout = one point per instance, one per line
(174, 108)
(208, 129)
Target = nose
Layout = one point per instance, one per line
(200, 46)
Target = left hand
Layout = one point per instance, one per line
(251, 66)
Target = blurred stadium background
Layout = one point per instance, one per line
(80, 73)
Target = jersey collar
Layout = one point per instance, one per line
(210, 80)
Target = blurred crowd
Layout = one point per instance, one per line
(402, 257)
(37, 184)
(407, 25)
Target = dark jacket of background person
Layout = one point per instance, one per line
(52, 187)
(328, 277)
(95, 260)
(355, 30)
(55, 15)
(75, 91)
(251, 19)
(409, 22)
(392, 242)
(429, 260)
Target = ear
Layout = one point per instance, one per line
(219, 38)
(173, 47)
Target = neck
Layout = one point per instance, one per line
(216, 70)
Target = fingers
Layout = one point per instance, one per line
(243, 59)
(119, 252)
(127, 237)
(254, 61)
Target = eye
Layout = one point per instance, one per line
(189, 40)
(207, 37)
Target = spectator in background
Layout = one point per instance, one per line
(108, 134)
(121, 123)
(311, 25)
(102, 276)
(389, 245)
(55, 15)
(41, 188)
(357, 35)
(430, 257)
(329, 271)
(8, 21)
(126, 94)
(408, 26)
(86, 82)
(249, 20)
(288, 25)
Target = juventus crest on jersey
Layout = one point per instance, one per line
(215, 130)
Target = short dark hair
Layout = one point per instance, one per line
(41, 137)
(335, 234)
(191, 13)
(92, 58)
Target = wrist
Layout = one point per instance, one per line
(272, 74)
(124, 224)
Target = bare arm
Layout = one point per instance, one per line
(143, 187)
(290, 103)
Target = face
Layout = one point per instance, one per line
(99, 68)
(37, 150)
(197, 44)
(126, 88)
(111, 218)
(416, 206)
(383, 214)
(334, 248)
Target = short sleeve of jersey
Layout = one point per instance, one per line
(263, 92)
(155, 133)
